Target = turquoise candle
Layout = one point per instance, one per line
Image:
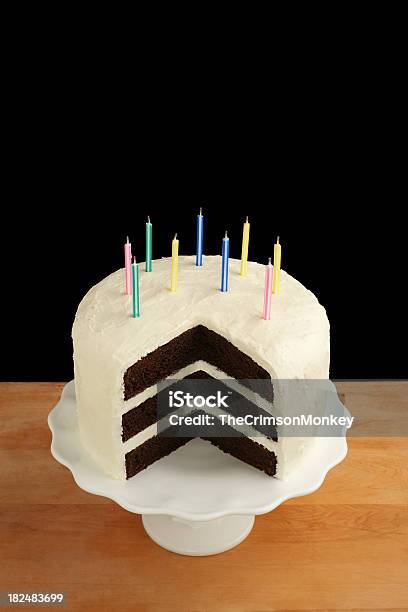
(135, 289)
(148, 245)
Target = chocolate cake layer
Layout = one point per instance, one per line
(197, 343)
(145, 414)
(149, 452)
(244, 449)
(248, 451)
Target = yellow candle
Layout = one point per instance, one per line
(174, 264)
(244, 252)
(276, 267)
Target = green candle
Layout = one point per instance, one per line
(135, 289)
(148, 245)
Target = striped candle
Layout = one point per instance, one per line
(268, 291)
(128, 267)
(174, 264)
(244, 252)
(199, 241)
(148, 245)
(135, 291)
(276, 267)
(224, 265)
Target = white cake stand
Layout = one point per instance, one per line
(198, 500)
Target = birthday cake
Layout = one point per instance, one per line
(197, 331)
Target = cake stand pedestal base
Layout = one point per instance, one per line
(197, 538)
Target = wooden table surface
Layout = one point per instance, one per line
(345, 547)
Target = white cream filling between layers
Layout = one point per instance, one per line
(209, 369)
(212, 371)
(152, 431)
(289, 452)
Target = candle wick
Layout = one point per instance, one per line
(134, 259)
(127, 239)
(277, 240)
(269, 261)
(201, 211)
(226, 234)
(148, 219)
(246, 219)
(175, 236)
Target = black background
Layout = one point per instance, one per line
(305, 134)
(92, 152)
(339, 221)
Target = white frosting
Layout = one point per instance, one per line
(294, 343)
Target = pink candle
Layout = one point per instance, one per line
(128, 267)
(268, 291)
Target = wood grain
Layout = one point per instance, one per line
(345, 547)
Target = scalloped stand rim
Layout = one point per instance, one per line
(224, 495)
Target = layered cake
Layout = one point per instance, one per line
(196, 332)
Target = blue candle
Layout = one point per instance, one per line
(225, 256)
(199, 245)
